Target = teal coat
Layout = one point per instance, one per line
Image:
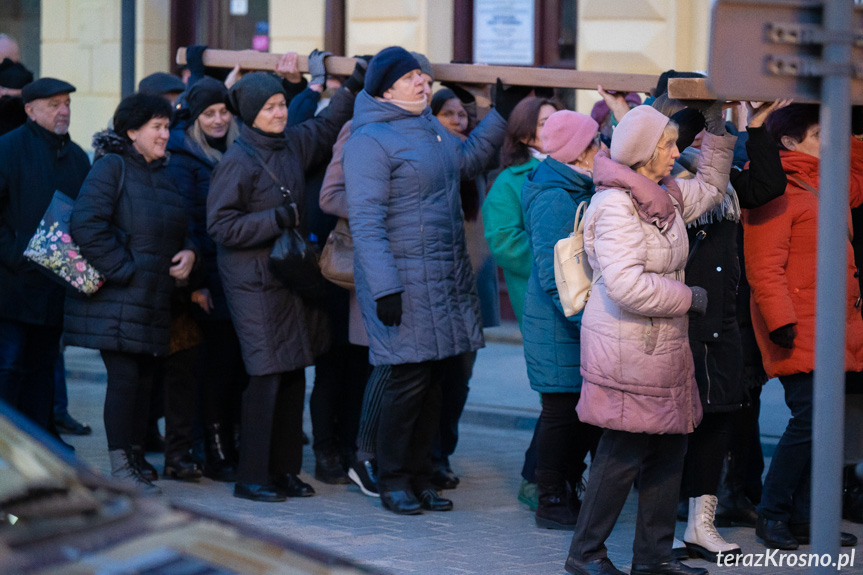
(552, 342)
(505, 233)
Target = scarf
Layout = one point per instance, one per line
(653, 201)
(412, 107)
(534, 153)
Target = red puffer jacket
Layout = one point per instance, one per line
(780, 248)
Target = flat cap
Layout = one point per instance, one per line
(160, 83)
(45, 88)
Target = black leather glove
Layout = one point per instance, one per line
(317, 67)
(195, 59)
(286, 217)
(358, 78)
(463, 95)
(690, 122)
(699, 301)
(712, 112)
(783, 336)
(507, 99)
(390, 309)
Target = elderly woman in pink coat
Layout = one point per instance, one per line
(639, 383)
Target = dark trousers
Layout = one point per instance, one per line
(410, 415)
(127, 398)
(178, 378)
(564, 440)
(786, 494)
(528, 470)
(221, 373)
(28, 354)
(454, 391)
(746, 453)
(271, 427)
(337, 398)
(621, 458)
(706, 453)
(61, 395)
(367, 435)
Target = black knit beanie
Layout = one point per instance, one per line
(387, 67)
(203, 94)
(440, 98)
(250, 94)
(14, 75)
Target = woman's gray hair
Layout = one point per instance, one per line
(196, 134)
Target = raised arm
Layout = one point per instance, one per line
(707, 188)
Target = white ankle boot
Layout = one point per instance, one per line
(701, 537)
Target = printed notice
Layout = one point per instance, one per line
(503, 32)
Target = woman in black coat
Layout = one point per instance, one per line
(130, 223)
(280, 333)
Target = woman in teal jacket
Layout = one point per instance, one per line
(501, 212)
(552, 347)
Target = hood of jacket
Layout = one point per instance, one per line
(370, 110)
(551, 174)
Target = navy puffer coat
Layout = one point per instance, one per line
(402, 175)
(552, 342)
(129, 235)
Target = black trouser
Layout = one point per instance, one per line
(28, 354)
(621, 457)
(222, 375)
(410, 415)
(127, 399)
(705, 454)
(370, 415)
(564, 440)
(337, 397)
(177, 375)
(528, 470)
(454, 391)
(746, 448)
(271, 427)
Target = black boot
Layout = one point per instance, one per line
(852, 498)
(328, 468)
(140, 462)
(218, 463)
(181, 467)
(553, 511)
(734, 508)
(125, 472)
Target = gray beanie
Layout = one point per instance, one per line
(425, 65)
(251, 92)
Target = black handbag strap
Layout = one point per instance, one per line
(286, 193)
(693, 247)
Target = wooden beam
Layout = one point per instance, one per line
(689, 89)
(461, 73)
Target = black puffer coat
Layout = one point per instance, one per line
(33, 164)
(130, 236)
(277, 330)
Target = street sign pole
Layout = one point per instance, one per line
(830, 292)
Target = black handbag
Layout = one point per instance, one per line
(293, 259)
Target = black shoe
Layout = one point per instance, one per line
(431, 501)
(775, 534)
(328, 469)
(401, 502)
(182, 467)
(264, 493)
(444, 478)
(218, 455)
(736, 512)
(68, 425)
(145, 467)
(293, 486)
(800, 531)
(553, 510)
(364, 474)
(674, 567)
(602, 566)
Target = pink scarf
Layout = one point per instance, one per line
(652, 201)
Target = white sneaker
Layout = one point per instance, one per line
(701, 537)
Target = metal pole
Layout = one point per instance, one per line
(832, 271)
(127, 50)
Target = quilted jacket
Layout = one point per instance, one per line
(402, 177)
(636, 363)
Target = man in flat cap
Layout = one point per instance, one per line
(162, 84)
(35, 160)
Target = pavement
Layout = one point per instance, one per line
(489, 531)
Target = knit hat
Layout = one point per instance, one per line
(14, 75)
(203, 94)
(161, 83)
(45, 88)
(425, 65)
(387, 67)
(251, 92)
(637, 135)
(566, 135)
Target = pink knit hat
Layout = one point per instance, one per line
(637, 135)
(567, 134)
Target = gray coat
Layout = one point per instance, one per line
(402, 173)
(278, 331)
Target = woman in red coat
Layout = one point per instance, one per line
(780, 248)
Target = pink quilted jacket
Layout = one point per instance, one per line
(635, 356)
